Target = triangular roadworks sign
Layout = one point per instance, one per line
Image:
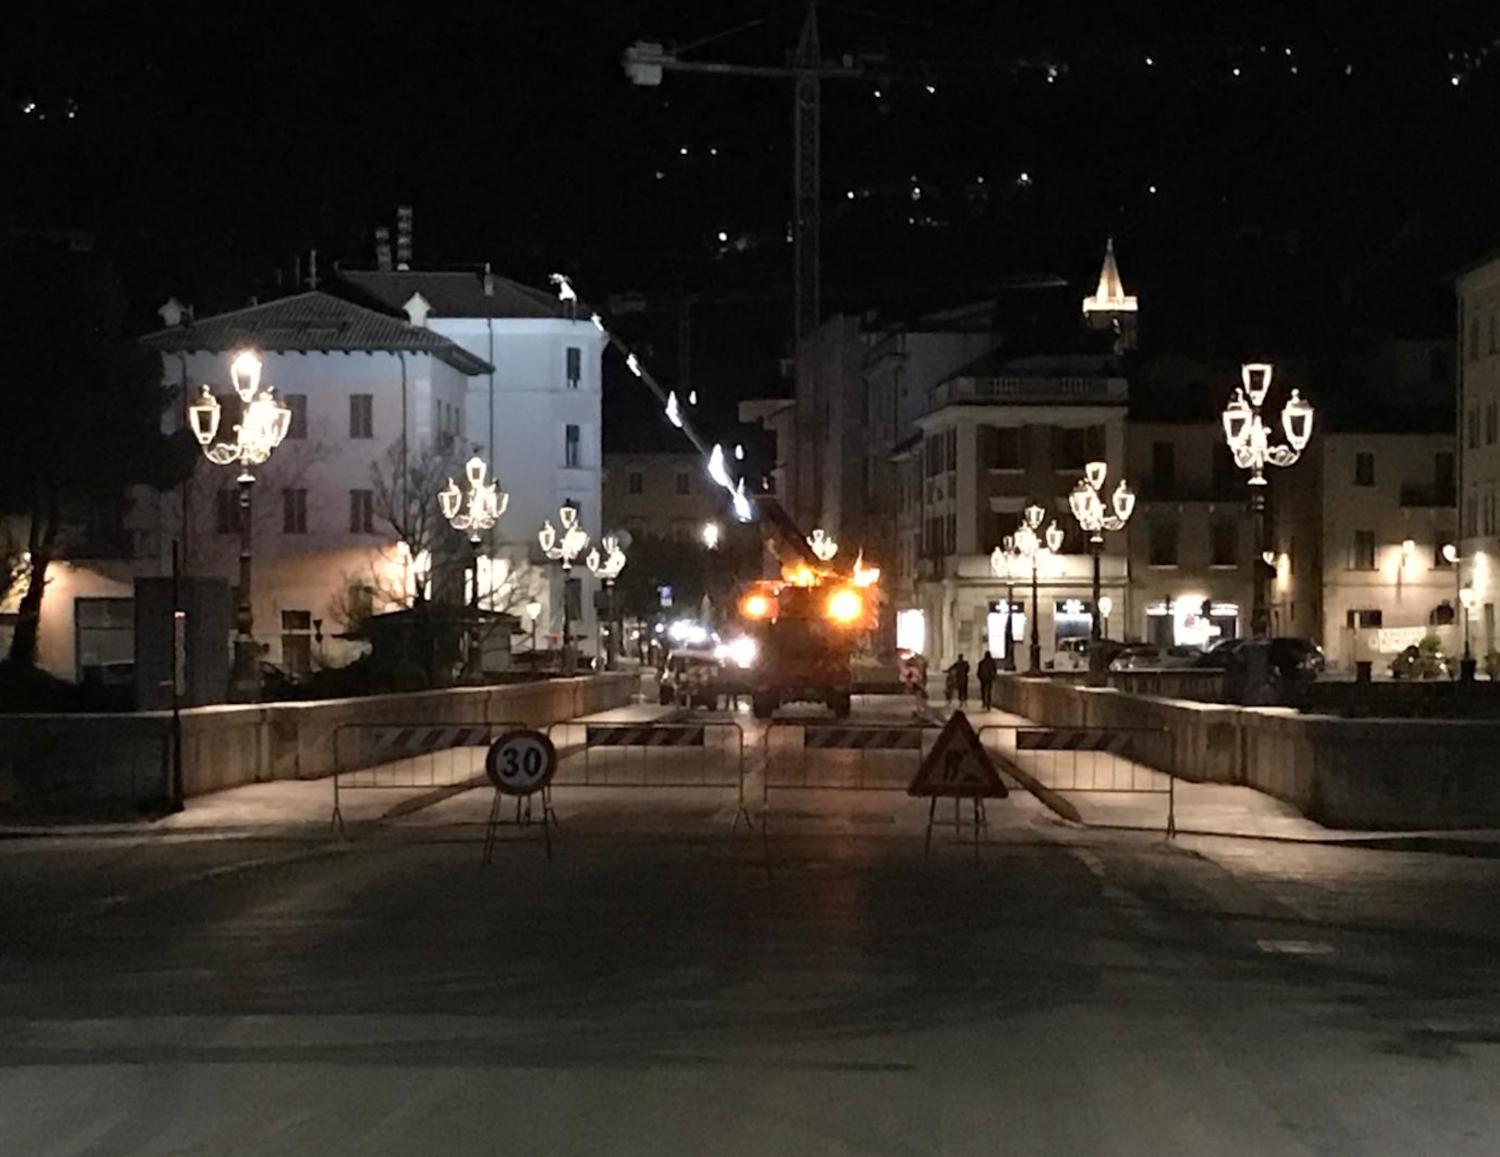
(958, 766)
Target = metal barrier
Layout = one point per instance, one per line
(393, 756)
(847, 756)
(649, 755)
(1082, 759)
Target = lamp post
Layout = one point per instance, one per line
(1105, 605)
(1030, 545)
(476, 513)
(564, 548)
(607, 567)
(1466, 598)
(1250, 440)
(1095, 518)
(1003, 564)
(533, 612)
(263, 425)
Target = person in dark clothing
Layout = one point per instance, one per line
(960, 673)
(987, 669)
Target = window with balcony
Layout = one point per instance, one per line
(572, 438)
(1364, 468)
(1163, 465)
(227, 511)
(1443, 478)
(361, 512)
(294, 512)
(684, 482)
(1003, 446)
(1224, 543)
(1362, 551)
(635, 482)
(1366, 619)
(297, 404)
(361, 415)
(1162, 543)
(574, 366)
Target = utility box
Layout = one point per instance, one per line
(198, 641)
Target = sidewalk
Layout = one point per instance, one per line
(1216, 809)
(295, 808)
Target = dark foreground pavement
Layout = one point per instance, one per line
(678, 992)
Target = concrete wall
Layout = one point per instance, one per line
(80, 763)
(1363, 774)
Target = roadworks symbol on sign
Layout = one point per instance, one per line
(958, 766)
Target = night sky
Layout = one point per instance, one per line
(1266, 169)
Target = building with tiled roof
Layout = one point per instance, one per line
(312, 322)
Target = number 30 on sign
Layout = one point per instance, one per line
(521, 762)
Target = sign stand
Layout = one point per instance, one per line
(957, 768)
(520, 764)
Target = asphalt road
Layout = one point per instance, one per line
(667, 988)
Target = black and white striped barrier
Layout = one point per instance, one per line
(1053, 739)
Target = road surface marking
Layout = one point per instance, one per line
(1296, 947)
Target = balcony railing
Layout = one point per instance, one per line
(1415, 494)
(1224, 490)
(1067, 391)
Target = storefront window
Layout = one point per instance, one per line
(1071, 619)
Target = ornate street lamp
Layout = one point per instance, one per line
(711, 535)
(476, 513)
(1003, 561)
(607, 567)
(1466, 599)
(1030, 545)
(534, 613)
(1095, 518)
(822, 544)
(565, 548)
(263, 425)
(1250, 440)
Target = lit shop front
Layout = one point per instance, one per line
(1191, 622)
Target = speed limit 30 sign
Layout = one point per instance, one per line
(521, 762)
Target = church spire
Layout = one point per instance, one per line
(1110, 297)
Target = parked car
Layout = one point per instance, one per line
(1136, 657)
(1288, 659)
(691, 679)
(1073, 654)
(1149, 657)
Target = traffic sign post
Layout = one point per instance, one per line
(957, 768)
(520, 764)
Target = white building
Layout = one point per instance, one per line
(363, 387)
(535, 414)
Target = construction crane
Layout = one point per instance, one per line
(646, 61)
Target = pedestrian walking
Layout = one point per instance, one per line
(987, 669)
(959, 676)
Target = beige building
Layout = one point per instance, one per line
(665, 495)
(999, 436)
(1191, 541)
(1359, 546)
